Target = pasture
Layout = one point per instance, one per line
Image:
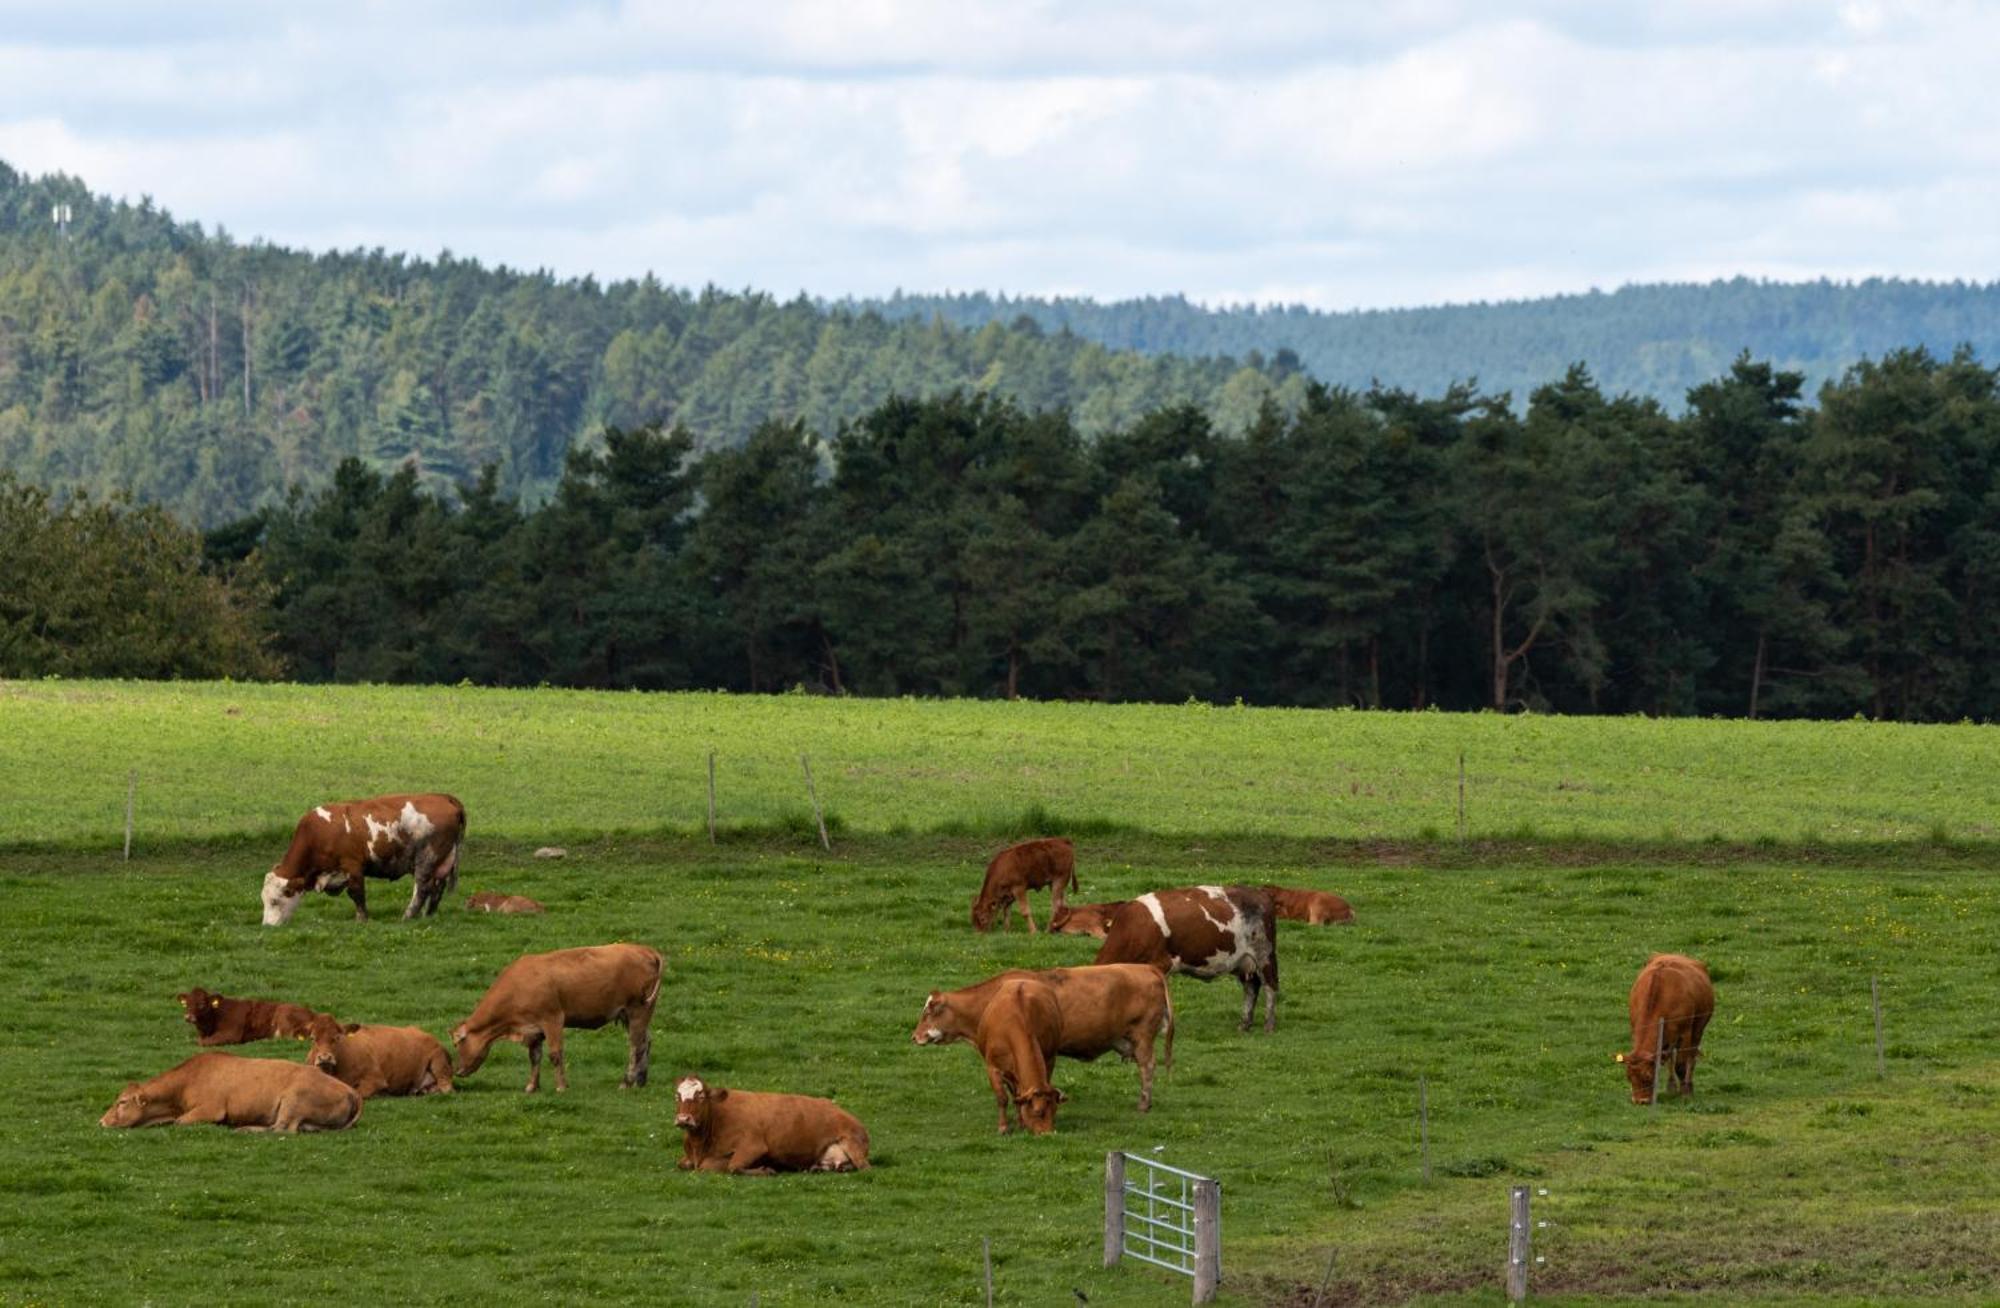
(1496, 971)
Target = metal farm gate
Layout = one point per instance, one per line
(1163, 1216)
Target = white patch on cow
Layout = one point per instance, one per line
(933, 1034)
(377, 830)
(324, 816)
(1152, 903)
(345, 823)
(414, 824)
(278, 905)
(688, 1090)
(1233, 956)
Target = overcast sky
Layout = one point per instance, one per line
(1338, 155)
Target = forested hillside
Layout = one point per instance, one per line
(1658, 341)
(145, 355)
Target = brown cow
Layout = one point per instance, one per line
(220, 1020)
(250, 1094)
(1206, 932)
(492, 901)
(1674, 989)
(756, 1133)
(1084, 919)
(537, 995)
(1020, 868)
(381, 1060)
(1120, 1008)
(338, 847)
(1314, 907)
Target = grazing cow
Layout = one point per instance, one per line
(537, 995)
(220, 1020)
(1674, 989)
(381, 1060)
(1206, 932)
(492, 901)
(250, 1094)
(1020, 868)
(755, 1133)
(1314, 907)
(1120, 1008)
(338, 847)
(1084, 919)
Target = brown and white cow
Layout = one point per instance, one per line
(492, 901)
(1313, 907)
(250, 1094)
(338, 847)
(757, 1133)
(1119, 1009)
(1016, 870)
(220, 1020)
(381, 1060)
(1084, 919)
(1671, 1003)
(537, 995)
(1205, 932)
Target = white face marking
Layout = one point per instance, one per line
(688, 1091)
(1159, 915)
(933, 1034)
(413, 823)
(324, 816)
(278, 905)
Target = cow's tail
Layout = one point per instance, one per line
(1167, 1027)
(448, 874)
(659, 972)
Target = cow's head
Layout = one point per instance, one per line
(131, 1109)
(280, 898)
(1639, 1071)
(468, 1050)
(1038, 1108)
(325, 1034)
(1083, 919)
(982, 911)
(934, 1024)
(694, 1104)
(194, 1002)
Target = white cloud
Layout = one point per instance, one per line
(1343, 154)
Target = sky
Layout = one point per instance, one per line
(1332, 154)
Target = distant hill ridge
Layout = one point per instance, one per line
(148, 355)
(1657, 340)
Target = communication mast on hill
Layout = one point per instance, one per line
(60, 215)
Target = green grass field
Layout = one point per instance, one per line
(1496, 971)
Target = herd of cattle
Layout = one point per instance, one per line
(1019, 1021)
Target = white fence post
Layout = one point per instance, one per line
(1517, 1244)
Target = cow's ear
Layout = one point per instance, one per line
(717, 1094)
(351, 1027)
(181, 998)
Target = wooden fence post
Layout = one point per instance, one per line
(1517, 1244)
(986, 1249)
(1424, 1124)
(813, 790)
(1114, 1207)
(131, 792)
(1207, 1239)
(711, 797)
(1461, 797)
(1875, 993)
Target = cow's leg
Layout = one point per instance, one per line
(1252, 983)
(552, 1035)
(639, 1034)
(1021, 897)
(357, 891)
(533, 1040)
(1000, 1095)
(1271, 992)
(417, 896)
(1140, 1051)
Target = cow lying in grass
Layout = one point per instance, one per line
(1085, 919)
(381, 1060)
(492, 901)
(1205, 932)
(537, 995)
(755, 1133)
(1671, 1003)
(1313, 907)
(1076, 1012)
(220, 1020)
(249, 1094)
(1016, 870)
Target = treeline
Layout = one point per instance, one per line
(1582, 553)
(1655, 340)
(145, 356)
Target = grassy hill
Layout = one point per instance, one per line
(1496, 972)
